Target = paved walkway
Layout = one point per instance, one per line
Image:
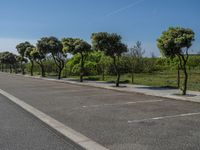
(143, 89)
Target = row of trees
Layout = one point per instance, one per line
(9, 60)
(110, 44)
(175, 42)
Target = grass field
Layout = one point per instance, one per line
(164, 79)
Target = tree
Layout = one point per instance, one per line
(53, 46)
(104, 63)
(30, 57)
(135, 53)
(77, 46)
(21, 48)
(2, 60)
(112, 46)
(9, 59)
(176, 41)
(38, 57)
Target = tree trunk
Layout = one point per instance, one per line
(42, 68)
(103, 75)
(32, 65)
(60, 65)
(59, 73)
(185, 81)
(10, 69)
(118, 80)
(185, 75)
(3, 68)
(15, 69)
(7, 68)
(117, 72)
(132, 75)
(43, 71)
(184, 67)
(178, 77)
(82, 68)
(22, 68)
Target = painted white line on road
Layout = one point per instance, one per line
(127, 103)
(94, 95)
(164, 117)
(67, 132)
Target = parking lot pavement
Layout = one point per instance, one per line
(20, 131)
(117, 120)
(164, 92)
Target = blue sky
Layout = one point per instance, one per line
(143, 20)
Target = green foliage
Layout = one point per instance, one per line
(194, 62)
(172, 41)
(28, 52)
(51, 45)
(90, 65)
(176, 42)
(77, 46)
(37, 56)
(21, 48)
(8, 60)
(108, 56)
(112, 46)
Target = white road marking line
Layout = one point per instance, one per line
(98, 95)
(164, 117)
(127, 103)
(74, 136)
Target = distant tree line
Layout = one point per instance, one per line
(107, 55)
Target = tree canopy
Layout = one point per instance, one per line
(21, 48)
(172, 41)
(109, 43)
(75, 46)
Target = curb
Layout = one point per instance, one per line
(75, 137)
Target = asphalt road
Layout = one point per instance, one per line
(117, 120)
(20, 131)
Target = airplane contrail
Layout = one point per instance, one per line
(124, 8)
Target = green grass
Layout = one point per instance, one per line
(158, 79)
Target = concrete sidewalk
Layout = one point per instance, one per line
(171, 93)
